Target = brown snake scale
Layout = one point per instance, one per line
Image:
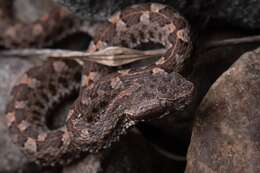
(110, 100)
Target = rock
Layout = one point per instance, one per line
(211, 63)
(96, 11)
(225, 136)
(243, 13)
(90, 164)
(10, 158)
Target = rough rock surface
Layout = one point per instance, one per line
(95, 10)
(11, 158)
(244, 13)
(226, 131)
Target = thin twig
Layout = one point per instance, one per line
(111, 56)
(168, 154)
(232, 42)
(116, 56)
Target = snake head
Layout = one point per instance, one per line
(159, 95)
(101, 114)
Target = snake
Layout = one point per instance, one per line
(42, 32)
(110, 100)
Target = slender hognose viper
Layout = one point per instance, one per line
(110, 100)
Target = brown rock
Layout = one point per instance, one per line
(226, 131)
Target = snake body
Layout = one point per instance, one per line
(40, 33)
(110, 100)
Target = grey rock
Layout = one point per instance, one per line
(101, 10)
(90, 164)
(225, 136)
(10, 158)
(243, 13)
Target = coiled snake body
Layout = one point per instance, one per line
(110, 101)
(48, 29)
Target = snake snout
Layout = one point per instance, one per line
(179, 93)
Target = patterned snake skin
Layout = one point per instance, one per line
(110, 100)
(40, 33)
